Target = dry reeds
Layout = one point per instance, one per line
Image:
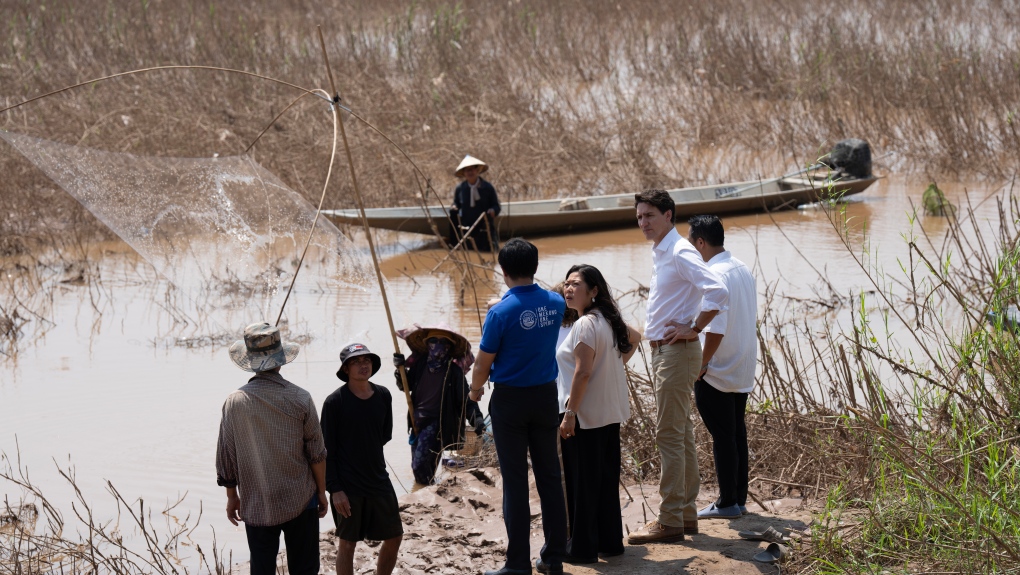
(561, 99)
(35, 538)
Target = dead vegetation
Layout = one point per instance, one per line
(36, 538)
(561, 99)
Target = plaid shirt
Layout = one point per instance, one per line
(269, 437)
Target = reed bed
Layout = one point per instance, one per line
(36, 538)
(560, 98)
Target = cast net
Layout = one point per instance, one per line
(224, 231)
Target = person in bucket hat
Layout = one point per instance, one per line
(271, 458)
(439, 395)
(357, 421)
(472, 199)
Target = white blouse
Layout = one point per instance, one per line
(605, 401)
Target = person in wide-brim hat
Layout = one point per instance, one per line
(468, 162)
(417, 340)
(262, 349)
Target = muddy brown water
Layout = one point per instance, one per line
(113, 395)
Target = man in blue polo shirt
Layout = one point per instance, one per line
(518, 354)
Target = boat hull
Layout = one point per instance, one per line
(549, 217)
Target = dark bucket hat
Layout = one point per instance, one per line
(354, 350)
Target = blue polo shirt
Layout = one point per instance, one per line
(521, 331)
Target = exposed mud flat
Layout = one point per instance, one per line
(456, 527)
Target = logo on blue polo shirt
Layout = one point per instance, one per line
(540, 317)
(528, 319)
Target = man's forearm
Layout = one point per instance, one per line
(479, 377)
(712, 341)
(319, 472)
(704, 318)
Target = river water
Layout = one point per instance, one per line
(110, 390)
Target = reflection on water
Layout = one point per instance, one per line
(115, 395)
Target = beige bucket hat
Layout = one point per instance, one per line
(261, 349)
(469, 161)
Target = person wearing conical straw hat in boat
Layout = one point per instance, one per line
(474, 198)
(439, 393)
(271, 457)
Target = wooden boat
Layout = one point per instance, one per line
(558, 216)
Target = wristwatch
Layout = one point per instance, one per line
(569, 412)
(694, 327)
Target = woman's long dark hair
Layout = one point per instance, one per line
(604, 303)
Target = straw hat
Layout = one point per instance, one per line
(354, 350)
(261, 349)
(469, 161)
(416, 340)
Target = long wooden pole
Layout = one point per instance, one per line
(368, 234)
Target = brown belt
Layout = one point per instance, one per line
(657, 343)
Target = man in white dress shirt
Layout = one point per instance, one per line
(685, 291)
(727, 373)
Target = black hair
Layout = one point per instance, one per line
(660, 199)
(708, 228)
(519, 258)
(604, 303)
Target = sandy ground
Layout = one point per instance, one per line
(456, 528)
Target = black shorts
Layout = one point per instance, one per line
(375, 517)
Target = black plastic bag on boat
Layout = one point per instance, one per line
(851, 157)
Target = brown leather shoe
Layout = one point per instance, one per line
(656, 532)
(691, 527)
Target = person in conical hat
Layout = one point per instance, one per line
(474, 198)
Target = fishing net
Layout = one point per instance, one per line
(224, 231)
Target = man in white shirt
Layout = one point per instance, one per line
(727, 373)
(685, 291)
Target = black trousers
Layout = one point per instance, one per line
(591, 465)
(723, 414)
(301, 536)
(525, 420)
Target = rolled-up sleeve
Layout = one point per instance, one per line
(693, 268)
(226, 456)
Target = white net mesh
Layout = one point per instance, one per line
(225, 231)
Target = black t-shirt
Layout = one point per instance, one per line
(355, 431)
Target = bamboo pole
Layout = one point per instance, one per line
(368, 234)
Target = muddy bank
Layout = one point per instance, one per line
(456, 527)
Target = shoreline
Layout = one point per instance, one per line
(456, 527)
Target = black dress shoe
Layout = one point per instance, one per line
(509, 571)
(548, 568)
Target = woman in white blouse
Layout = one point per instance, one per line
(590, 361)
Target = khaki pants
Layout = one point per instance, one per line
(675, 369)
